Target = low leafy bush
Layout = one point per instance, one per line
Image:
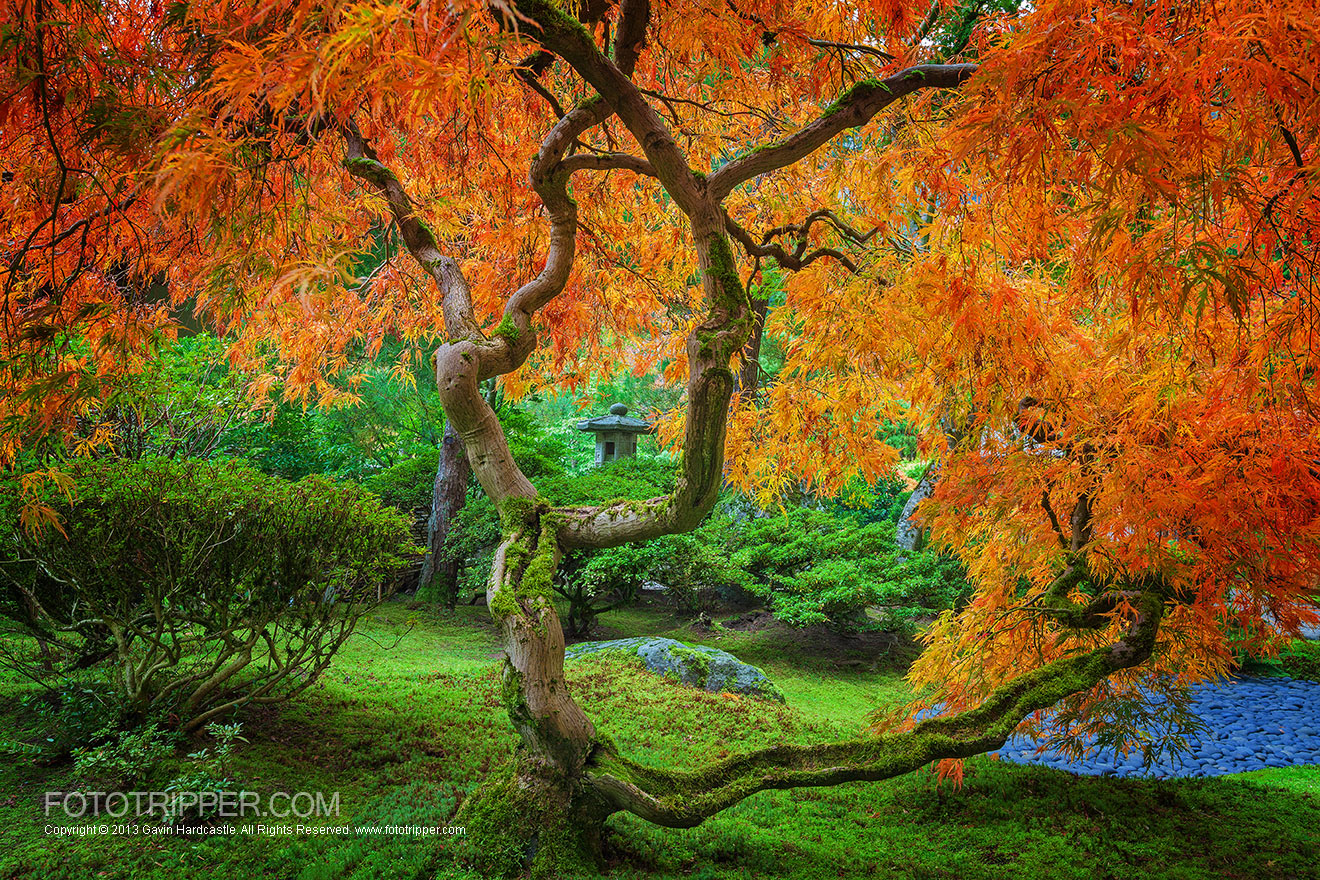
(72, 714)
(473, 536)
(1302, 660)
(127, 759)
(881, 501)
(407, 485)
(814, 567)
(206, 770)
(697, 571)
(195, 586)
(594, 581)
(625, 478)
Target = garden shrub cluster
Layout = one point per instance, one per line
(817, 567)
(184, 589)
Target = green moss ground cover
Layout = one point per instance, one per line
(409, 719)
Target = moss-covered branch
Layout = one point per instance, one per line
(684, 799)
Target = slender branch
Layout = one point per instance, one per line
(927, 24)
(529, 69)
(551, 184)
(1291, 141)
(606, 162)
(851, 47)
(1054, 519)
(707, 107)
(799, 258)
(826, 214)
(854, 108)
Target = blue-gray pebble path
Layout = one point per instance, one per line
(1251, 723)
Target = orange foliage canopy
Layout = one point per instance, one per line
(1090, 269)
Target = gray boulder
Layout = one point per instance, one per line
(694, 665)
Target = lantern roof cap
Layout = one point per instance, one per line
(617, 420)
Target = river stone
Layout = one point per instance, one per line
(694, 665)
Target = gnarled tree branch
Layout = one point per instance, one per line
(799, 258)
(683, 800)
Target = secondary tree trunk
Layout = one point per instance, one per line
(439, 578)
(910, 536)
(749, 375)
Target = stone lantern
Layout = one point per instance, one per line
(616, 433)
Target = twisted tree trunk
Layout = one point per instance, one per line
(909, 535)
(749, 376)
(546, 812)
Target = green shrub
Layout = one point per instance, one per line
(73, 714)
(633, 479)
(473, 536)
(538, 453)
(595, 581)
(127, 759)
(1301, 660)
(207, 770)
(815, 567)
(409, 484)
(881, 501)
(197, 586)
(697, 571)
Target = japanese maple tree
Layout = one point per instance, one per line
(1078, 239)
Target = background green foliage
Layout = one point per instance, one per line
(188, 402)
(817, 566)
(404, 723)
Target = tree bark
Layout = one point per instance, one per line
(749, 375)
(910, 536)
(439, 578)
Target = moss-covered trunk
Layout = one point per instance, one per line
(527, 820)
(542, 813)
